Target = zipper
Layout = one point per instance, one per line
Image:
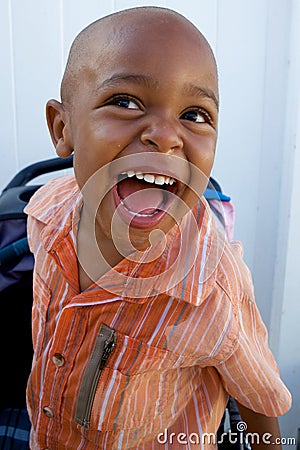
(105, 343)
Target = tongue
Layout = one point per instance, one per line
(146, 199)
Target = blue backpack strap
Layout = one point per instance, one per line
(212, 194)
(214, 191)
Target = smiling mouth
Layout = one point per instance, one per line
(143, 198)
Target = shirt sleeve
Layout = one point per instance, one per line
(250, 374)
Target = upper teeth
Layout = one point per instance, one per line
(150, 177)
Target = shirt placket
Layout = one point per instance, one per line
(65, 340)
(59, 365)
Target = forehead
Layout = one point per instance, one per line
(166, 49)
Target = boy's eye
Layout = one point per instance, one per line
(197, 116)
(125, 102)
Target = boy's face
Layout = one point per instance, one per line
(150, 92)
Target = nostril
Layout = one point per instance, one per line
(149, 142)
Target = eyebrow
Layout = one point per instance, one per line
(188, 89)
(131, 78)
(192, 89)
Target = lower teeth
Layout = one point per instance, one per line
(138, 214)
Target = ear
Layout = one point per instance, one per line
(59, 128)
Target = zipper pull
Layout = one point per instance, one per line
(109, 345)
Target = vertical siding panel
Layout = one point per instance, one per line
(8, 133)
(286, 311)
(202, 13)
(251, 50)
(36, 37)
(241, 53)
(272, 154)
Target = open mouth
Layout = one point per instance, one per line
(143, 198)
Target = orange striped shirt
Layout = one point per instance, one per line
(112, 370)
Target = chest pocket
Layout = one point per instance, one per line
(133, 389)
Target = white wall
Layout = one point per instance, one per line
(286, 288)
(256, 45)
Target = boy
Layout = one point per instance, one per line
(144, 318)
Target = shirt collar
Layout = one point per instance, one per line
(57, 206)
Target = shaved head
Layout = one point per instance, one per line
(98, 40)
(142, 81)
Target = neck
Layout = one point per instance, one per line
(96, 253)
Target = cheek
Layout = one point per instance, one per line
(110, 133)
(101, 139)
(202, 156)
(92, 176)
(93, 157)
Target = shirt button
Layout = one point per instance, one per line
(58, 359)
(48, 412)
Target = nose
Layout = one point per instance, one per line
(162, 134)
